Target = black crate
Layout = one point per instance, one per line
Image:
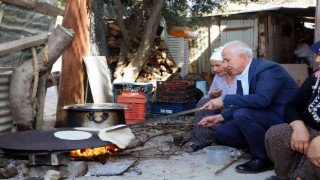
(133, 87)
(176, 91)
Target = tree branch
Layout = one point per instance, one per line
(22, 109)
(133, 69)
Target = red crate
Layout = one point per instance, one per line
(133, 121)
(137, 111)
(130, 94)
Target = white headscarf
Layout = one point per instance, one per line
(216, 55)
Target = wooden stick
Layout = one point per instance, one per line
(227, 165)
(141, 143)
(137, 161)
(36, 74)
(24, 43)
(36, 5)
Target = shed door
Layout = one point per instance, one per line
(245, 30)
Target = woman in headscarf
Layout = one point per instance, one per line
(222, 84)
(294, 147)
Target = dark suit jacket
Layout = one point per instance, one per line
(270, 86)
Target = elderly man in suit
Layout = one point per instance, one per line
(264, 88)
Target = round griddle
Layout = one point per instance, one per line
(45, 141)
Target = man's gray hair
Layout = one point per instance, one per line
(240, 48)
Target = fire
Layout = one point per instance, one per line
(92, 152)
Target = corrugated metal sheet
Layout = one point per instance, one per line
(6, 121)
(245, 30)
(201, 53)
(307, 11)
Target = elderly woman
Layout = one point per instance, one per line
(294, 147)
(222, 84)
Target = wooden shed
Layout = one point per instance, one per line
(272, 33)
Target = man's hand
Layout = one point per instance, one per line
(211, 120)
(314, 151)
(213, 104)
(300, 138)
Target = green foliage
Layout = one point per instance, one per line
(183, 12)
(62, 3)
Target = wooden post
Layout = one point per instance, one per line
(73, 76)
(36, 5)
(24, 43)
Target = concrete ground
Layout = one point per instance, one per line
(181, 166)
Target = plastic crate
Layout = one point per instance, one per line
(133, 100)
(134, 90)
(138, 107)
(132, 87)
(176, 91)
(130, 94)
(171, 108)
(133, 121)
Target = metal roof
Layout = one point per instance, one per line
(294, 11)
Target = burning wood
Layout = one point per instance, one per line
(92, 152)
(100, 154)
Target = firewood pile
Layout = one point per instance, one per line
(160, 65)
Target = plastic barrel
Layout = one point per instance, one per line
(202, 85)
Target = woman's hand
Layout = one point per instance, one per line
(211, 120)
(215, 93)
(213, 104)
(300, 138)
(314, 151)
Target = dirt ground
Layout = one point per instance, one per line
(177, 165)
(182, 166)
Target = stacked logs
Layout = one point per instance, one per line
(159, 67)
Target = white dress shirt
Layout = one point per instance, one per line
(244, 78)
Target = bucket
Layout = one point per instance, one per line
(218, 155)
(202, 85)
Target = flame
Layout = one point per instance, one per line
(92, 152)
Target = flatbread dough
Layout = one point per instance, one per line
(72, 135)
(120, 137)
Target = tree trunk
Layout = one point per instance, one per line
(73, 76)
(22, 106)
(133, 69)
(124, 43)
(97, 29)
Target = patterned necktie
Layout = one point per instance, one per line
(239, 88)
